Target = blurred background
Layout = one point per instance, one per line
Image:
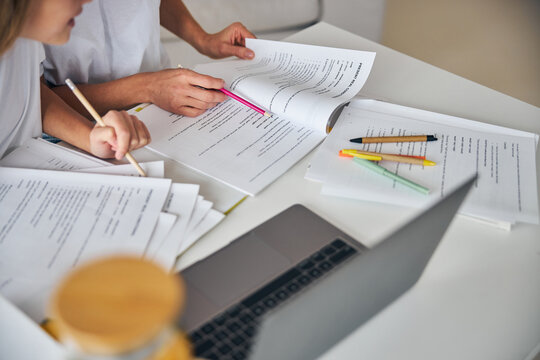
(492, 42)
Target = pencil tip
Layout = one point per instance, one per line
(266, 113)
(357, 140)
(431, 138)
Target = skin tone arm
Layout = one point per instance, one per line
(123, 133)
(175, 90)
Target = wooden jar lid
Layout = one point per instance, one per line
(116, 304)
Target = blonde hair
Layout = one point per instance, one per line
(13, 14)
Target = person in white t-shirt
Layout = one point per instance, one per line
(28, 107)
(116, 57)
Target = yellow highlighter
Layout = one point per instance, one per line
(361, 156)
(388, 157)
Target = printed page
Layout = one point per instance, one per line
(51, 221)
(155, 169)
(231, 143)
(302, 83)
(42, 154)
(506, 188)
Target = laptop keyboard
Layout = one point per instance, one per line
(229, 334)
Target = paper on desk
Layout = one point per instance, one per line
(180, 203)
(506, 189)
(155, 169)
(18, 331)
(202, 207)
(42, 154)
(211, 219)
(51, 221)
(158, 248)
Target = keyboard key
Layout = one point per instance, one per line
(342, 255)
(220, 335)
(304, 280)
(315, 273)
(329, 250)
(318, 257)
(271, 287)
(211, 356)
(246, 318)
(270, 303)
(233, 327)
(306, 264)
(208, 328)
(250, 331)
(206, 345)
(220, 320)
(281, 295)
(235, 311)
(325, 266)
(293, 287)
(237, 340)
(338, 243)
(258, 310)
(240, 355)
(225, 349)
(195, 336)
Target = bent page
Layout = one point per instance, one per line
(231, 143)
(51, 221)
(302, 83)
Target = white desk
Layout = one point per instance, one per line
(479, 298)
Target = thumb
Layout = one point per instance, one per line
(239, 51)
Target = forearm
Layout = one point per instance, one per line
(118, 94)
(176, 18)
(61, 121)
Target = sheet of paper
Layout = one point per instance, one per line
(158, 248)
(18, 331)
(155, 169)
(304, 83)
(506, 189)
(301, 84)
(180, 203)
(202, 207)
(211, 219)
(42, 154)
(51, 221)
(231, 143)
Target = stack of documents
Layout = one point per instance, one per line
(504, 159)
(51, 221)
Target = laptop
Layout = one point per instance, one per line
(271, 293)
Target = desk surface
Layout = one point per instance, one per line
(479, 296)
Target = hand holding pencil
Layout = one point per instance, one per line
(115, 133)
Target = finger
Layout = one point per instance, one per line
(198, 104)
(206, 96)
(117, 121)
(190, 111)
(133, 134)
(238, 51)
(142, 132)
(205, 81)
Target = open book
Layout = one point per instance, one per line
(301, 85)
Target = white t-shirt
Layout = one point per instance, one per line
(20, 102)
(111, 39)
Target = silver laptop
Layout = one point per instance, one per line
(271, 293)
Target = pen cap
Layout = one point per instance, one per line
(115, 305)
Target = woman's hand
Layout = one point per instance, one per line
(123, 133)
(230, 41)
(185, 92)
